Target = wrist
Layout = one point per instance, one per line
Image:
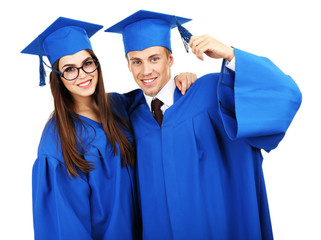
(230, 54)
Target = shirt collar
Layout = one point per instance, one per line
(166, 94)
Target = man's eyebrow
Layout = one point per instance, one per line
(154, 55)
(149, 57)
(134, 58)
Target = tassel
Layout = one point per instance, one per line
(42, 72)
(185, 35)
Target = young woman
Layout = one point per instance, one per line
(83, 179)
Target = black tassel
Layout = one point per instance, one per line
(42, 72)
(185, 35)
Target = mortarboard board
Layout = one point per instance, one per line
(63, 37)
(145, 29)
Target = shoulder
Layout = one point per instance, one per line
(87, 132)
(127, 101)
(201, 96)
(50, 143)
(118, 102)
(210, 78)
(205, 85)
(133, 93)
(125, 98)
(49, 157)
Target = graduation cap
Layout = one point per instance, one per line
(145, 29)
(63, 37)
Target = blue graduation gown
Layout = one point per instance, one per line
(100, 205)
(200, 174)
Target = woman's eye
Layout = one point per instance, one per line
(88, 63)
(69, 69)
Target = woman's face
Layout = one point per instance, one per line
(85, 84)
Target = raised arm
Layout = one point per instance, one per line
(256, 99)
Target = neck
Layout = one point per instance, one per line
(87, 107)
(166, 95)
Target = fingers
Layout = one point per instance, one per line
(199, 45)
(184, 86)
(178, 82)
(211, 47)
(195, 40)
(202, 48)
(194, 77)
(184, 80)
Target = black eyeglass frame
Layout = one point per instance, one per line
(82, 67)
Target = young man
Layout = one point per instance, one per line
(211, 184)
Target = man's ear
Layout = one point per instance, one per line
(128, 63)
(171, 60)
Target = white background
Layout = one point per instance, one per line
(288, 32)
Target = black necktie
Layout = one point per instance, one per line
(156, 111)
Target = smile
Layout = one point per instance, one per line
(85, 84)
(149, 81)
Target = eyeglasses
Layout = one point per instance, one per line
(71, 73)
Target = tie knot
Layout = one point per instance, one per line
(156, 104)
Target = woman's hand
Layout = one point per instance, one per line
(184, 80)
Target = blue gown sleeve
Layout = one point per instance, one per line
(61, 205)
(126, 102)
(122, 101)
(257, 101)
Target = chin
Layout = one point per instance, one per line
(150, 93)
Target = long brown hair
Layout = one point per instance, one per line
(65, 116)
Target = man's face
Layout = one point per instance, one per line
(150, 68)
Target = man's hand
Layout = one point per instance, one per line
(211, 47)
(184, 80)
